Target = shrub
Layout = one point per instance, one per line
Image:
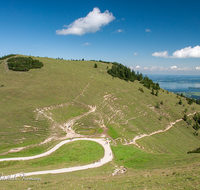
(156, 93)
(185, 117)
(198, 149)
(95, 65)
(157, 105)
(23, 63)
(196, 126)
(141, 89)
(180, 102)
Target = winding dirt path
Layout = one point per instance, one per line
(155, 132)
(108, 156)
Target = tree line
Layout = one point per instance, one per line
(125, 73)
(7, 56)
(189, 100)
(23, 63)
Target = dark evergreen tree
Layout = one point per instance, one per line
(156, 93)
(196, 126)
(185, 117)
(180, 101)
(95, 65)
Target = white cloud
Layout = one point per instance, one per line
(187, 52)
(135, 53)
(168, 69)
(86, 44)
(161, 54)
(148, 30)
(91, 23)
(119, 31)
(173, 67)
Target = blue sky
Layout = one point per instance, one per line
(161, 37)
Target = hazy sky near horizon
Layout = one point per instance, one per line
(150, 36)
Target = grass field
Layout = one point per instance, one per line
(77, 85)
(144, 171)
(73, 154)
(36, 105)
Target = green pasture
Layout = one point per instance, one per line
(144, 171)
(77, 85)
(76, 153)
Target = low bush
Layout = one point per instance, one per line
(23, 63)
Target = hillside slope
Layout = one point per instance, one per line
(43, 103)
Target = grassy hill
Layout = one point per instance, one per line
(42, 103)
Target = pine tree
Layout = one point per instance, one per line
(185, 117)
(95, 65)
(156, 92)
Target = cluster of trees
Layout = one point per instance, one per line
(23, 63)
(189, 100)
(149, 83)
(123, 72)
(197, 121)
(153, 93)
(74, 59)
(108, 62)
(7, 56)
(198, 101)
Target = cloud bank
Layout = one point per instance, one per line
(161, 68)
(187, 52)
(161, 54)
(173, 67)
(89, 24)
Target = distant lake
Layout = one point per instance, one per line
(179, 87)
(178, 83)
